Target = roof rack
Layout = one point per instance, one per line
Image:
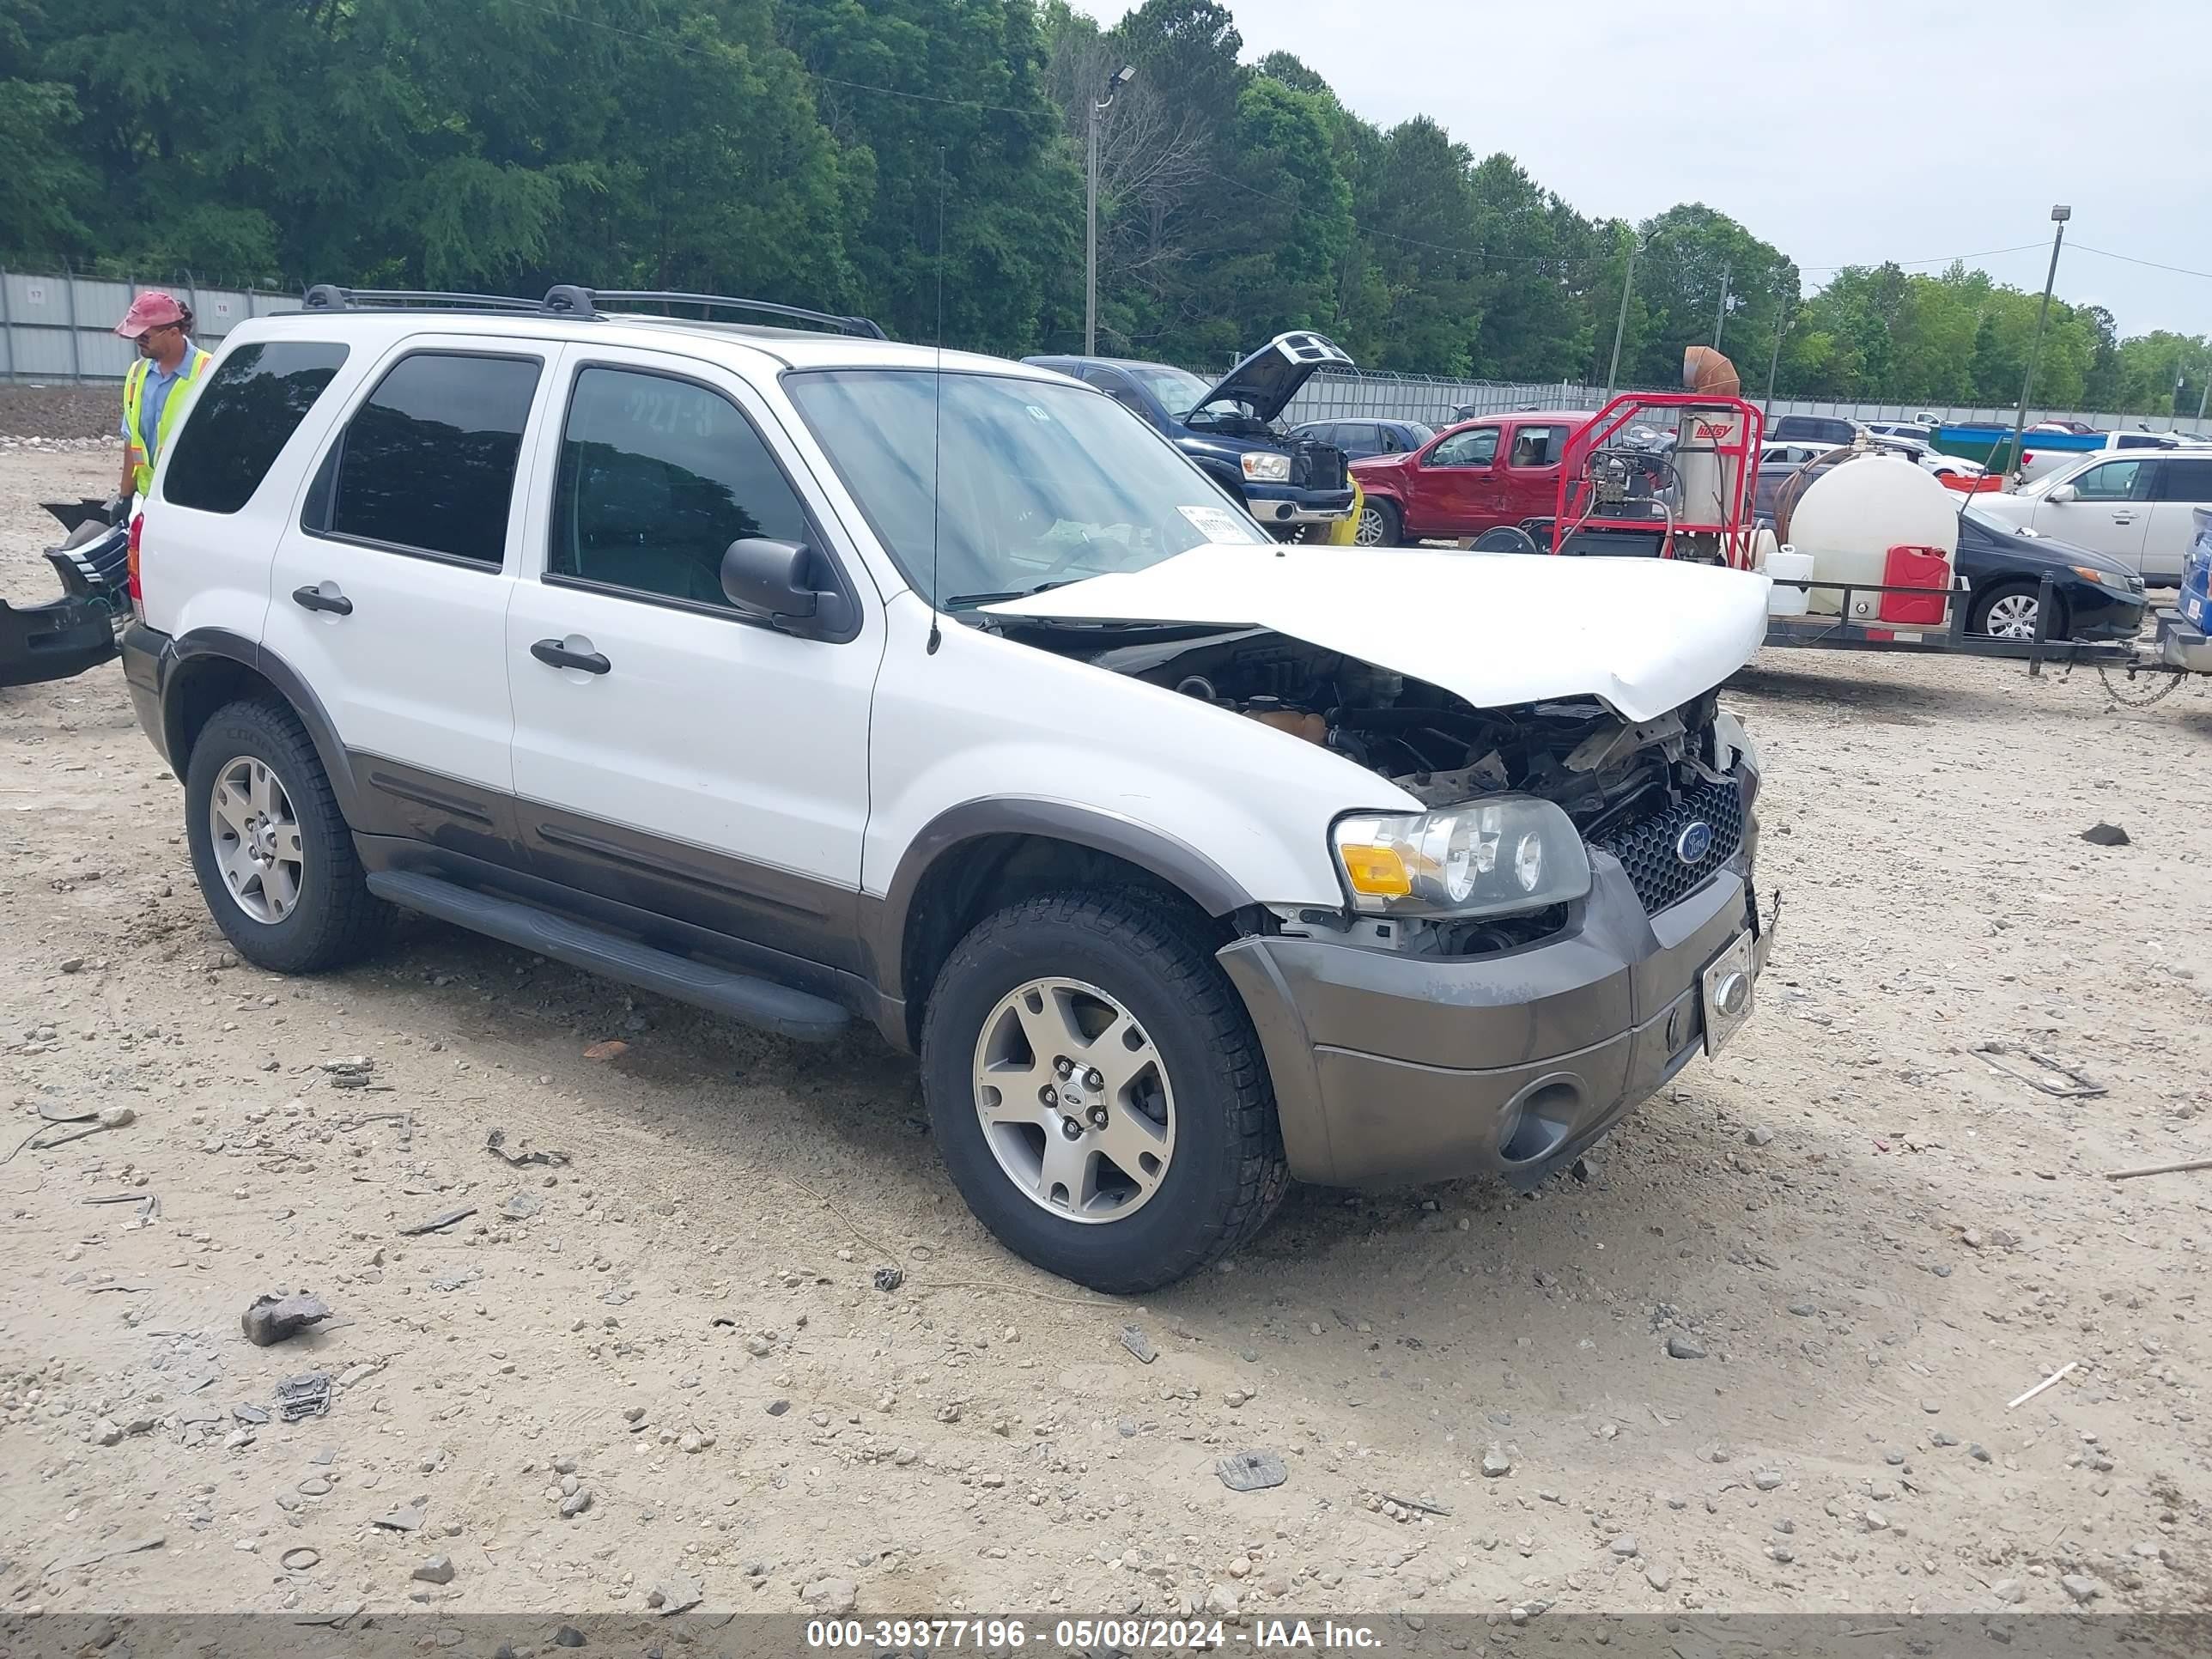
(587, 299)
(567, 299)
(328, 296)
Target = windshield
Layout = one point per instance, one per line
(1040, 483)
(1176, 389)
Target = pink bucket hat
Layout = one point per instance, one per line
(152, 309)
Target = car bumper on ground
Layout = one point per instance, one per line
(1392, 1069)
(55, 640)
(1277, 504)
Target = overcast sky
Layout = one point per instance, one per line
(1865, 130)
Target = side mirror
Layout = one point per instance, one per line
(2061, 494)
(778, 580)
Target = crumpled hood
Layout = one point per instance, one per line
(1496, 628)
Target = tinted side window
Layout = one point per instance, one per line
(2184, 481)
(250, 406)
(2115, 481)
(658, 478)
(428, 463)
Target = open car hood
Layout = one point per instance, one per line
(1644, 635)
(1266, 381)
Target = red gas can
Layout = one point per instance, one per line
(1916, 567)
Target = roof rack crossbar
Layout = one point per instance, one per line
(328, 296)
(566, 300)
(860, 325)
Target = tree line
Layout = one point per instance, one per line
(922, 161)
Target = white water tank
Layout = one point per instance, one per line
(1850, 516)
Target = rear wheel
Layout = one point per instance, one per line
(274, 860)
(1097, 1092)
(2011, 612)
(1380, 525)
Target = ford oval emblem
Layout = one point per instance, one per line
(1694, 843)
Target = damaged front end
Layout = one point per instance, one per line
(1632, 790)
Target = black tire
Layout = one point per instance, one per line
(1977, 621)
(1227, 1175)
(1505, 539)
(336, 920)
(1390, 523)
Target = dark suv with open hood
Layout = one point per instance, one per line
(1231, 430)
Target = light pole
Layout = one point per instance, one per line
(1621, 323)
(1115, 83)
(1720, 317)
(2059, 216)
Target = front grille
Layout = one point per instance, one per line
(1316, 465)
(1645, 845)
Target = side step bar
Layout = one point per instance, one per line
(758, 1002)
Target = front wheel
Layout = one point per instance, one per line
(1380, 525)
(1097, 1092)
(2011, 612)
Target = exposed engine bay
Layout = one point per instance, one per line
(1440, 750)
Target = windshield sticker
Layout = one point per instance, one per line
(1217, 524)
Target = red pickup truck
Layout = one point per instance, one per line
(1471, 477)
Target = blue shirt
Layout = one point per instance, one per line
(152, 396)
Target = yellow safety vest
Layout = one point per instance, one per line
(134, 384)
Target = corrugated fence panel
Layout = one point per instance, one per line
(61, 328)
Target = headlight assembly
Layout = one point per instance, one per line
(1497, 857)
(1263, 468)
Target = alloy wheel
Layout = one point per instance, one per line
(1075, 1100)
(256, 837)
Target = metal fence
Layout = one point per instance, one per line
(60, 330)
(1366, 395)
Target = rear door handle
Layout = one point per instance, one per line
(555, 655)
(314, 599)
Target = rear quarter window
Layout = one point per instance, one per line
(253, 403)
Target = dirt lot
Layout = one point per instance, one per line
(1870, 1239)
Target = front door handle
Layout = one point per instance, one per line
(314, 599)
(554, 654)
(2124, 517)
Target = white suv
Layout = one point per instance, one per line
(2140, 509)
(809, 677)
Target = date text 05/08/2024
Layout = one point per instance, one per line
(1130, 1635)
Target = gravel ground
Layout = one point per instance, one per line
(665, 1361)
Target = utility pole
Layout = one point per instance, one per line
(2059, 216)
(2204, 392)
(1720, 317)
(1774, 361)
(1115, 83)
(1621, 323)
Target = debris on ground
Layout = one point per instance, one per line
(438, 1569)
(674, 1595)
(306, 1395)
(1251, 1471)
(1138, 1343)
(888, 1280)
(613, 1048)
(2076, 1086)
(521, 1151)
(438, 1223)
(271, 1319)
(409, 1519)
(2105, 835)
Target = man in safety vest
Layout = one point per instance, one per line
(154, 391)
